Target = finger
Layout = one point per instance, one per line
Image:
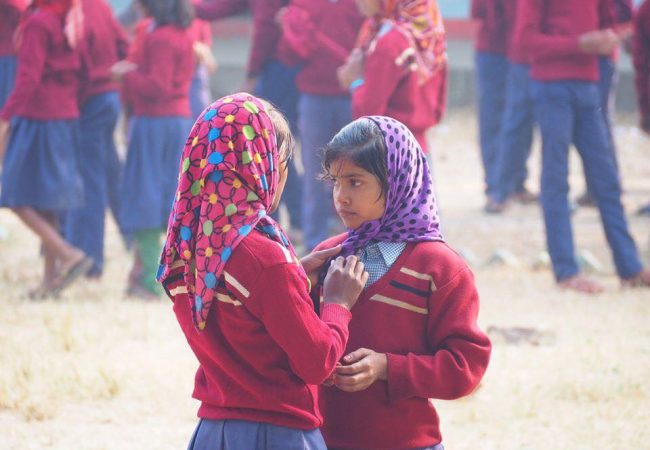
(364, 278)
(359, 269)
(350, 263)
(351, 383)
(328, 253)
(353, 369)
(356, 355)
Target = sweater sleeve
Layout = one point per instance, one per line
(218, 9)
(265, 34)
(31, 62)
(460, 351)
(542, 46)
(382, 74)
(313, 345)
(641, 58)
(156, 82)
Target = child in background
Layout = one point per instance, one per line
(399, 68)
(156, 85)
(319, 35)
(10, 12)
(40, 175)
(105, 44)
(240, 294)
(564, 39)
(641, 57)
(413, 334)
(491, 75)
(201, 35)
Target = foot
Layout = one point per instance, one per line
(581, 283)
(640, 280)
(525, 197)
(586, 200)
(494, 207)
(72, 268)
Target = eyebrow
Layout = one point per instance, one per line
(351, 175)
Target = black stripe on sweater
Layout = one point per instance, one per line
(407, 288)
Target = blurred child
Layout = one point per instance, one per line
(105, 44)
(641, 57)
(156, 84)
(564, 39)
(240, 294)
(491, 75)
(40, 176)
(10, 12)
(319, 35)
(516, 134)
(399, 68)
(201, 35)
(413, 334)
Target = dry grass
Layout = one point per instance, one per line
(95, 371)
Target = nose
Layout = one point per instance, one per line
(340, 196)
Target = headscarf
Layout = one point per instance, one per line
(69, 11)
(227, 183)
(421, 23)
(411, 213)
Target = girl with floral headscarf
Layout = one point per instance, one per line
(399, 67)
(241, 295)
(413, 336)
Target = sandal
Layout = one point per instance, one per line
(66, 278)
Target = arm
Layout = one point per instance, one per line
(460, 351)
(218, 9)
(31, 61)
(158, 80)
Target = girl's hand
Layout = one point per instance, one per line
(351, 70)
(313, 262)
(599, 42)
(203, 54)
(4, 138)
(344, 282)
(120, 68)
(362, 368)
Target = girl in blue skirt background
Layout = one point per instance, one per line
(40, 177)
(156, 85)
(10, 11)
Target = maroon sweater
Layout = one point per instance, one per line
(264, 350)
(10, 11)
(339, 22)
(492, 33)
(516, 53)
(160, 86)
(47, 81)
(106, 44)
(265, 30)
(422, 314)
(391, 90)
(549, 31)
(641, 56)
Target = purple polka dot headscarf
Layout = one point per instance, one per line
(411, 213)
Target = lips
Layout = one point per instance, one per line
(345, 213)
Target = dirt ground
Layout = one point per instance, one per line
(94, 370)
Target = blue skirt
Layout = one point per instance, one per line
(40, 166)
(8, 66)
(150, 174)
(199, 91)
(241, 434)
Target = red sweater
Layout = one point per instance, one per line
(10, 11)
(338, 23)
(47, 81)
(265, 30)
(641, 56)
(160, 85)
(549, 31)
(516, 53)
(106, 44)
(391, 90)
(264, 350)
(422, 314)
(492, 33)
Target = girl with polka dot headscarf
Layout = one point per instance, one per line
(414, 335)
(241, 295)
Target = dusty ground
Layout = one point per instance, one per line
(96, 371)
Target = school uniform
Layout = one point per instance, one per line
(641, 58)
(40, 165)
(491, 74)
(10, 11)
(434, 348)
(390, 89)
(568, 110)
(263, 351)
(106, 44)
(158, 95)
(516, 134)
(324, 107)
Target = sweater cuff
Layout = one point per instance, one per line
(331, 312)
(398, 388)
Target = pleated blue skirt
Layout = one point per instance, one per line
(244, 435)
(150, 174)
(8, 66)
(40, 166)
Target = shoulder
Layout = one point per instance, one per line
(42, 20)
(332, 242)
(390, 40)
(436, 260)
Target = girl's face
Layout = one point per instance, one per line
(357, 194)
(369, 8)
(282, 181)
